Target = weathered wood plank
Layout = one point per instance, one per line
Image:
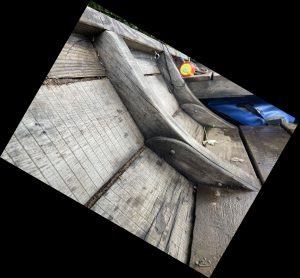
(78, 135)
(216, 88)
(78, 58)
(154, 202)
(199, 168)
(219, 212)
(265, 144)
(6, 157)
(146, 61)
(191, 126)
(151, 116)
(181, 91)
(93, 22)
(230, 147)
(198, 77)
(167, 100)
(205, 116)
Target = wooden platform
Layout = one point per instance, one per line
(84, 135)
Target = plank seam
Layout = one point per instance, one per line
(91, 202)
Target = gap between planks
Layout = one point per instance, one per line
(113, 179)
(69, 80)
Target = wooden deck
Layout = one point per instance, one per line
(84, 134)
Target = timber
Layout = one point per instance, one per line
(183, 94)
(200, 168)
(265, 144)
(153, 119)
(116, 128)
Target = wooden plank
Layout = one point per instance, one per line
(167, 100)
(198, 77)
(93, 22)
(216, 88)
(77, 135)
(219, 212)
(78, 58)
(204, 116)
(146, 61)
(154, 202)
(290, 128)
(201, 167)
(189, 125)
(230, 147)
(265, 144)
(152, 118)
(183, 93)
(6, 157)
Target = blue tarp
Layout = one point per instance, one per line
(248, 110)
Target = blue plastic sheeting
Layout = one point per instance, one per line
(248, 110)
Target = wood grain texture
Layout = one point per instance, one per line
(77, 135)
(6, 157)
(78, 58)
(93, 22)
(199, 167)
(182, 92)
(230, 147)
(189, 125)
(265, 144)
(166, 99)
(204, 116)
(150, 116)
(219, 212)
(216, 88)
(146, 61)
(154, 202)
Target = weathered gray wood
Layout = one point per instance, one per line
(230, 147)
(189, 125)
(6, 157)
(77, 135)
(154, 202)
(205, 116)
(149, 115)
(290, 128)
(198, 77)
(219, 212)
(93, 22)
(265, 144)
(78, 58)
(182, 92)
(199, 168)
(167, 101)
(216, 88)
(175, 82)
(146, 61)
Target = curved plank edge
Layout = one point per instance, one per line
(204, 116)
(197, 167)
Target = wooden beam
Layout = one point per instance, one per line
(205, 116)
(184, 95)
(200, 168)
(93, 22)
(216, 88)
